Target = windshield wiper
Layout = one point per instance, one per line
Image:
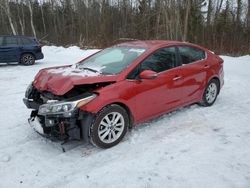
(93, 70)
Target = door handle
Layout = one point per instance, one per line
(206, 66)
(177, 78)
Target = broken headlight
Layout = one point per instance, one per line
(62, 107)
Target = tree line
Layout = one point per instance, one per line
(220, 25)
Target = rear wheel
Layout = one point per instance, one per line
(27, 59)
(109, 127)
(211, 93)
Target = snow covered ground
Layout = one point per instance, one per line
(191, 147)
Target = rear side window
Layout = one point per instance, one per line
(161, 60)
(190, 54)
(10, 41)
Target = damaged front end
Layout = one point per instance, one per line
(60, 117)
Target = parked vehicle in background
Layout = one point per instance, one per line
(102, 96)
(22, 49)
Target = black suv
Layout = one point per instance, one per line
(22, 49)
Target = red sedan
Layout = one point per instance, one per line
(102, 96)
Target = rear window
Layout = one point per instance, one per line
(190, 54)
(28, 41)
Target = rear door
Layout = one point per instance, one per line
(30, 45)
(10, 50)
(193, 72)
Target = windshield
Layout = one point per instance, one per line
(112, 60)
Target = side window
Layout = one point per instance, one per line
(19, 40)
(161, 60)
(26, 41)
(1, 41)
(190, 54)
(10, 41)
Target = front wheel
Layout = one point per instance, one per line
(211, 93)
(27, 59)
(109, 126)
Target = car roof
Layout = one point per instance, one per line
(17, 36)
(156, 43)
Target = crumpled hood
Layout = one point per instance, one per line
(60, 80)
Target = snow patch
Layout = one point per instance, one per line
(72, 71)
(189, 147)
(4, 158)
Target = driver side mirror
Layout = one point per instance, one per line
(148, 74)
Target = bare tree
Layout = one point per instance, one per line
(44, 26)
(188, 7)
(5, 6)
(248, 15)
(20, 14)
(209, 12)
(218, 7)
(31, 18)
(238, 14)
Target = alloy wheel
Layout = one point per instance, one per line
(28, 59)
(211, 92)
(111, 127)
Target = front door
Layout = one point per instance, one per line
(161, 94)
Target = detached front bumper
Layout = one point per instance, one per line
(74, 124)
(58, 127)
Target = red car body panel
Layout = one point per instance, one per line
(60, 84)
(146, 98)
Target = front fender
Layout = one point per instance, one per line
(103, 100)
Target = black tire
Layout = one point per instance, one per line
(206, 100)
(97, 126)
(27, 59)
